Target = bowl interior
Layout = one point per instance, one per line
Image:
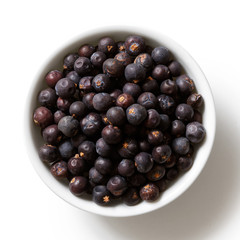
(34, 140)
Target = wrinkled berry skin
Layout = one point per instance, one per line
(64, 104)
(143, 162)
(131, 197)
(85, 84)
(181, 145)
(59, 170)
(91, 124)
(123, 58)
(117, 185)
(184, 112)
(101, 195)
(149, 192)
(111, 134)
(69, 126)
(42, 117)
(153, 119)
(145, 60)
(82, 66)
(101, 83)
(161, 55)
(102, 148)
(86, 50)
(195, 100)
(147, 100)
(175, 68)
(47, 98)
(78, 185)
(126, 168)
(76, 165)
(66, 149)
(113, 68)
(53, 77)
(195, 132)
(161, 153)
(124, 100)
(128, 149)
(160, 72)
(48, 153)
(65, 88)
(136, 114)
(102, 102)
(134, 45)
(116, 116)
(98, 58)
(52, 135)
(134, 73)
(107, 45)
(166, 103)
(184, 163)
(185, 85)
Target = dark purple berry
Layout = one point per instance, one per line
(74, 77)
(156, 173)
(181, 145)
(107, 45)
(103, 165)
(115, 93)
(101, 196)
(149, 192)
(155, 137)
(66, 149)
(153, 119)
(126, 168)
(166, 104)
(48, 153)
(175, 68)
(134, 45)
(69, 61)
(178, 128)
(160, 72)
(143, 162)
(52, 135)
(98, 58)
(86, 50)
(145, 60)
(78, 185)
(102, 148)
(42, 117)
(58, 115)
(195, 132)
(184, 112)
(59, 170)
(65, 88)
(102, 102)
(113, 68)
(101, 83)
(170, 161)
(133, 89)
(150, 85)
(184, 163)
(83, 66)
(87, 151)
(69, 126)
(47, 98)
(131, 197)
(88, 100)
(185, 85)
(144, 146)
(135, 73)
(195, 100)
(169, 87)
(91, 124)
(161, 55)
(116, 116)
(161, 153)
(136, 114)
(128, 149)
(117, 185)
(111, 134)
(64, 104)
(53, 77)
(124, 58)
(124, 100)
(76, 165)
(85, 84)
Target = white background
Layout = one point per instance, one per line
(32, 30)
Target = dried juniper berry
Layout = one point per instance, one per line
(185, 85)
(52, 135)
(135, 73)
(101, 83)
(169, 87)
(134, 45)
(150, 85)
(149, 192)
(102, 148)
(147, 100)
(116, 116)
(107, 45)
(170, 161)
(85, 84)
(77, 109)
(160, 72)
(69, 126)
(59, 170)
(91, 124)
(113, 68)
(195, 132)
(184, 163)
(136, 114)
(68, 61)
(161, 153)
(47, 98)
(101, 195)
(76, 165)
(53, 77)
(156, 173)
(86, 50)
(88, 100)
(83, 66)
(161, 55)
(112, 134)
(42, 117)
(180, 145)
(175, 68)
(102, 102)
(153, 119)
(184, 112)
(131, 197)
(126, 168)
(155, 137)
(65, 88)
(177, 128)
(145, 60)
(117, 185)
(87, 151)
(48, 153)
(124, 100)
(143, 162)
(78, 185)
(98, 58)
(103, 165)
(166, 104)
(74, 77)
(63, 104)
(133, 89)
(58, 115)
(195, 100)
(124, 58)
(66, 149)
(128, 148)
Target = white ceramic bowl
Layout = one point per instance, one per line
(34, 139)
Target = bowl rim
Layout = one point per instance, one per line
(104, 31)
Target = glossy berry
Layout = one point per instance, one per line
(160, 72)
(181, 145)
(98, 58)
(175, 68)
(91, 124)
(42, 117)
(116, 116)
(78, 185)
(177, 128)
(102, 102)
(86, 50)
(76, 165)
(172, 174)
(101, 196)
(161, 153)
(170, 161)
(195, 132)
(117, 185)
(132, 89)
(112, 134)
(64, 104)
(65, 88)
(101, 83)
(124, 58)
(88, 100)
(128, 149)
(48, 153)
(77, 109)
(153, 119)
(143, 162)
(131, 197)
(147, 100)
(124, 100)
(161, 55)
(165, 122)
(87, 151)
(155, 137)
(185, 85)
(169, 87)
(195, 100)
(74, 77)
(66, 149)
(184, 163)
(103, 165)
(69, 61)
(166, 104)
(150, 85)
(136, 114)
(78, 139)
(53, 77)
(107, 45)
(113, 68)
(145, 60)
(156, 173)
(126, 168)
(69, 126)
(134, 45)
(82, 66)
(144, 146)
(47, 98)
(52, 135)
(149, 192)
(85, 84)
(184, 112)
(102, 148)
(59, 170)
(135, 73)
(58, 115)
